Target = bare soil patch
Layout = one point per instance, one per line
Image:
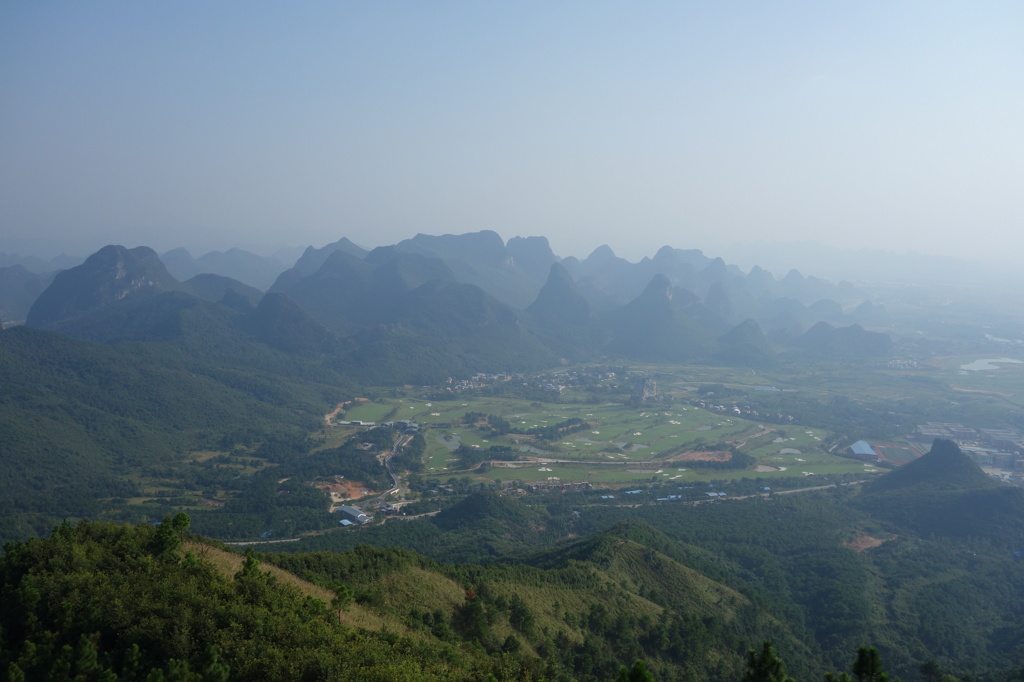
(341, 490)
(864, 542)
(340, 408)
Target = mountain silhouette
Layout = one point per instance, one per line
(651, 327)
(112, 274)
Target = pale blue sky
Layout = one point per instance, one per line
(890, 125)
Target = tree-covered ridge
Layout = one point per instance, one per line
(102, 602)
(105, 602)
(832, 573)
(79, 420)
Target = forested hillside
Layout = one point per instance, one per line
(80, 420)
(510, 537)
(825, 572)
(689, 594)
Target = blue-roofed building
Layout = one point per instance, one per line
(862, 450)
(356, 515)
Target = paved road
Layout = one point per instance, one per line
(779, 492)
(246, 543)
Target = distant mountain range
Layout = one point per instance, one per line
(431, 307)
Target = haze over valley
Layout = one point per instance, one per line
(579, 341)
(482, 405)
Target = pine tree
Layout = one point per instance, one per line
(765, 665)
(868, 666)
(638, 673)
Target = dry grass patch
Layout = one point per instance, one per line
(863, 542)
(229, 563)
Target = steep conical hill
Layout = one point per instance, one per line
(944, 493)
(562, 317)
(559, 298)
(745, 344)
(944, 467)
(652, 328)
(110, 275)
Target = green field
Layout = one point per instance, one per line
(1003, 381)
(620, 445)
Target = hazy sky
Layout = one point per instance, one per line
(891, 125)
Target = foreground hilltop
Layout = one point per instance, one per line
(687, 589)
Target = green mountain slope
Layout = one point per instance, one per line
(562, 317)
(944, 493)
(99, 599)
(111, 274)
(81, 420)
(652, 327)
(745, 345)
(444, 329)
(943, 468)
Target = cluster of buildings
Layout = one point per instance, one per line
(352, 516)
(407, 426)
(929, 431)
(480, 380)
(863, 451)
(559, 487)
(996, 448)
(548, 382)
(745, 412)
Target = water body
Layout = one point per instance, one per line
(452, 442)
(628, 447)
(533, 451)
(989, 363)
